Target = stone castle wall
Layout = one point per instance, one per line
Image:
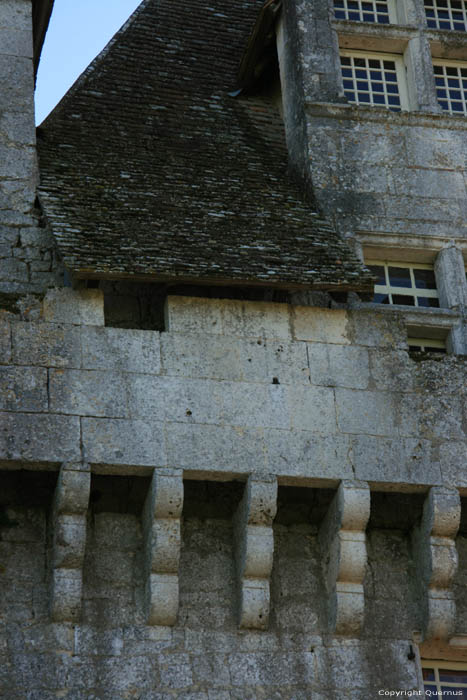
(28, 261)
(235, 397)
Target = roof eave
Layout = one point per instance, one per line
(363, 286)
(261, 45)
(41, 12)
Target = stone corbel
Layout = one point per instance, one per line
(69, 513)
(255, 549)
(343, 546)
(436, 561)
(161, 526)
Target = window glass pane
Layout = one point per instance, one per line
(428, 674)
(424, 279)
(452, 676)
(399, 277)
(403, 299)
(381, 299)
(428, 301)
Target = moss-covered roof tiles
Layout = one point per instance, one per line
(149, 169)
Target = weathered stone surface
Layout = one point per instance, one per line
(222, 357)
(338, 365)
(123, 350)
(365, 412)
(48, 345)
(39, 438)
(227, 317)
(139, 443)
(23, 389)
(88, 393)
(320, 325)
(436, 560)
(82, 307)
(255, 548)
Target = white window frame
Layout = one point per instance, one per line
(412, 291)
(453, 64)
(424, 343)
(400, 74)
(451, 20)
(391, 5)
(448, 665)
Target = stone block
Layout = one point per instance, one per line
(451, 279)
(254, 603)
(193, 315)
(435, 149)
(15, 15)
(49, 345)
(18, 128)
(15, 42)
(369, 412)
(320, 325)
(227, 317)
(69, 542)
(165, 544)
(175, 671)
(39, 438)
(211, 671)
(66, 589)
(306, 454)
(210, 401)
(273, 361)
(121, 349)
(16, 84)
(312, 408)
(451, 461)
(394, 460)
(220, 448)
(72, 492)
(5, 341)
(338, 365)
(15, 271)
(23, 389)
(429, 183)
(124, 442)
(220, 357)
(391, 370)
(81, 307)
(377, 329)
(89, 393)
(162, 599)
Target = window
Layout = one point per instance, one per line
(451, 86)
(443, 678)
(427, 345)
(401, 283)
(446, 14)
(374, 79)
(380, 11)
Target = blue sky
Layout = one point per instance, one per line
(78, 31)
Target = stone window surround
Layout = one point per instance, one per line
(410, 39)
(447, 323)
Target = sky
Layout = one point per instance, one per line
(78, 31)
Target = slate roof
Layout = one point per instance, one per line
(150, 170)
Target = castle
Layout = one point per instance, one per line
(233, 315)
